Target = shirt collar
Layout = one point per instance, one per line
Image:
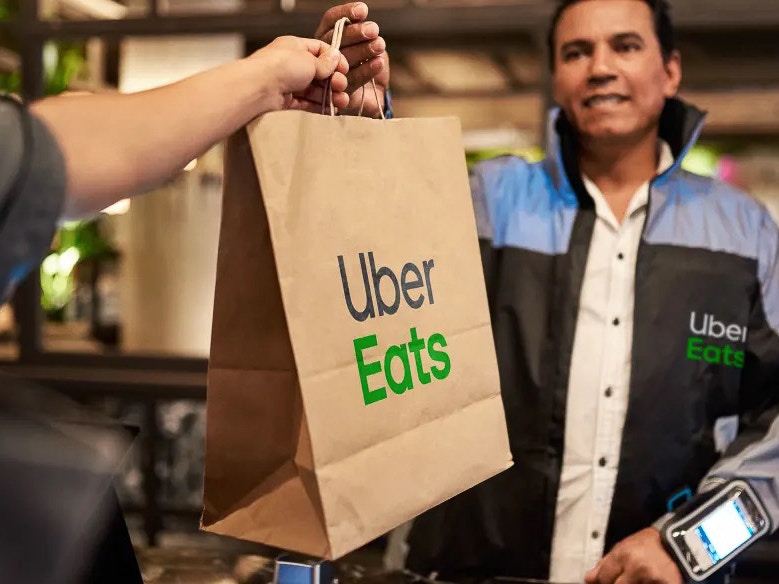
(641, 197)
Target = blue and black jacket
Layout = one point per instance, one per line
(706, 249)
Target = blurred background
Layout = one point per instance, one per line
(118, 316)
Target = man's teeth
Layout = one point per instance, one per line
(600, 99)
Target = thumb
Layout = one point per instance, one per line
(592, 576)
(327, 63)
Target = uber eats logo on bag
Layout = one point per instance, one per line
(414, 287)
(707, 330)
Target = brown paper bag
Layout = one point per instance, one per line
(352, 382)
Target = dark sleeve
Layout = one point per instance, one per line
(32, 192)
(754, 455)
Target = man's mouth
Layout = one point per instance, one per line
(605, 99)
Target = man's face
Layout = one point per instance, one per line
(610, 77)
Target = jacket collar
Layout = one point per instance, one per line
(680, 126)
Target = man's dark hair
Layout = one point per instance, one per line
(664, 28)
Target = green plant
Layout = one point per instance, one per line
(76, 243)
(63, 61)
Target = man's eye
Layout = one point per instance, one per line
(628, 47)
(572, 55)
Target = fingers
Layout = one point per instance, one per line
(591, 577)
(330, 62)
(359, 53)
(354, 34)
(300, 102)
(326, 56)
(609, 572)
(314, 46)
(339, 83)
(316, 91)
(354, 11)
(365, 72)
(606, 572)
(366, 99)
(340, 99)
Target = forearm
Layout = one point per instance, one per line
(115, 145)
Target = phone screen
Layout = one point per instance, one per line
(289, 573)
(724, 531)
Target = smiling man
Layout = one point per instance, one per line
(635, 309)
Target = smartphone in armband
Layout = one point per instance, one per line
(706, 538)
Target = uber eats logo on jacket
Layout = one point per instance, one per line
(414, 287)
(709, 334)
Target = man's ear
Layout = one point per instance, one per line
(673, 69)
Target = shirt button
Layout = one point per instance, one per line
(615, 322)
(602, 461)
(609, 392)
(620, 256)
(595, 535)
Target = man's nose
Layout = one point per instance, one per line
(602, 68)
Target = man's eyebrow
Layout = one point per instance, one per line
(627, 36)
(618, 37)
(576, 43)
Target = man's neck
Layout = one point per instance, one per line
(619, 170)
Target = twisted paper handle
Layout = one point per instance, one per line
(338, 33)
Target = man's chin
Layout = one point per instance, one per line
(612, 135)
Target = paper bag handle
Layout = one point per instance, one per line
(338, 33)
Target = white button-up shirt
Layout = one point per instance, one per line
(599, 384)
